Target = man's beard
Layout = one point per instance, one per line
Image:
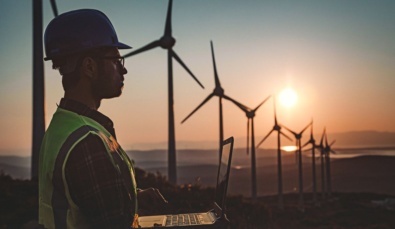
(104, 88)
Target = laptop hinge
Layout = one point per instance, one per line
(217, 210)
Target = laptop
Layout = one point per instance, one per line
(201, 219)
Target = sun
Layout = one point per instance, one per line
(289, 148)
(288, 97)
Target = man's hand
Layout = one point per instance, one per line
(151, 202)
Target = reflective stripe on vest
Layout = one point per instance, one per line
(59, 201)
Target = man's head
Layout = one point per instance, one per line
(83, 46)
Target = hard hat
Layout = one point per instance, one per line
(77, 31)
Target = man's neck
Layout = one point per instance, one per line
(89, 101)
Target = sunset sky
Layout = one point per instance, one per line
(338, 56)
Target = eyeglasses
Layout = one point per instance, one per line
(120, 60)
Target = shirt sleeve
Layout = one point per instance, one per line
(96, 186)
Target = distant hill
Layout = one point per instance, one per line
(189, 153)
(16, 160)
(359, 174)
(343, 139)
(17, 172)
(15, 166)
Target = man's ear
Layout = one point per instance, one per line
(89, 67)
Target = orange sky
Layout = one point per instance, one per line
(337, 56)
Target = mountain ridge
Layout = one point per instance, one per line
(343, 139)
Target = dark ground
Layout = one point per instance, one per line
(342, 210)
(18, 207)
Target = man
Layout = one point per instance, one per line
(86, 180)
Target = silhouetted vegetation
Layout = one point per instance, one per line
(18, 206)
(18, 201)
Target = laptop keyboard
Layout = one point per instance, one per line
(182, 219)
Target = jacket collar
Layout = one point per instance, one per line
(82, 109)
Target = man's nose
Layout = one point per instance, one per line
(124, 71)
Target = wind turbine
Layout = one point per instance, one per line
(322, 159)
(250, 122)
(327, 151)
(38, 84)
(218, 91)
(298, 137)
(277, 127)
(313, 146)
(167, 41)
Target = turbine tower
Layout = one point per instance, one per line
(313, 146)
(167, 41)
(322, 161)
(327, 151)
(38, 83)
(277, 127)
(250, 122)
(298, 137)
(218, 91)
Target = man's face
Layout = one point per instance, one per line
(109, 83)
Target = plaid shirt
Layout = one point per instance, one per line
(94, 184)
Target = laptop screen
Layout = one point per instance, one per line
(223, 172)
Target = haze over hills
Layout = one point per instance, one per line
(197, 153)
(343, 139)
(17, 167)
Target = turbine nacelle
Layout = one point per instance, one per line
(250, 114)
(298, 136)
(167, 42)
(219, 91)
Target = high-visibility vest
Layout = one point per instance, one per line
(66, 130)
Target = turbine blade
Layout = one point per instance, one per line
(248, 135)
(217, 83)
(149, 46)
(311, 129)
(54, 8)
(168, 19)
(267, 135)
(333, 142)
(262, 103)
(305, 128)
(289, 130)
(332, 151)
(275, 112)
(197, 108)
(285, 136)
(178, 59)
(221, 119)
(326, 140)
(306, 144)
(241, 106)
(322, 138)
